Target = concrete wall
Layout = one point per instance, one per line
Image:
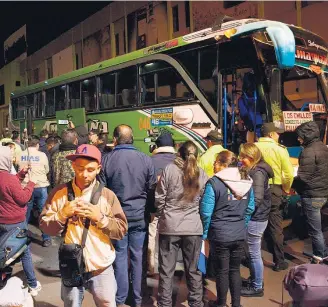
(62, 62)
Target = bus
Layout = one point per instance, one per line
(189, 86)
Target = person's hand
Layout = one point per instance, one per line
(89, 211)
(69, 209)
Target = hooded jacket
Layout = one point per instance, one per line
(176, 216)
(226, 206)
(82, 135)
(312, 176)
(13, 197)
(260, 175)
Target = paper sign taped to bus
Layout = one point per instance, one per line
(294, 119)
(62, 122)
(317, 108)
(162, 117)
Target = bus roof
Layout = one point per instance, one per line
(230, 29)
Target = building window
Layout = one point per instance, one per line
(187, 11)
(18, 83)
(36, 75)
(125, 51)
(229, 4)
(77, 61)
(2, 95)
(151, 9)
(49, 68)
(306, 3)
(117, 43)
(175, 13)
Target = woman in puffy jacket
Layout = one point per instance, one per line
(177, 199)
(227, 203)
(260, 172)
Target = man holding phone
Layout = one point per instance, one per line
(107, 222)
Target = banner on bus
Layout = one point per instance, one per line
(294, 119)
(162, 117)
(317, 108)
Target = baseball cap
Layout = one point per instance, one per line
(165, 140)
(86, 151)
(270, 127)
(214, 135)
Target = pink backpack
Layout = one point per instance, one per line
(307, 284)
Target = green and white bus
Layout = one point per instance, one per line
(188, 85)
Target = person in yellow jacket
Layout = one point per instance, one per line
(277, 157)
(214, 144)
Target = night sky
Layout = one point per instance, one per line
(45, 20)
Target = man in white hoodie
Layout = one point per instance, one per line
(39, 165)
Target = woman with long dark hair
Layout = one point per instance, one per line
(177, 200)
(225, 208)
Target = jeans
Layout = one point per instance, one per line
(275, 229)
(168, 254)
(312, 208)
(227, 259)
(26, 257)
(255, 233)
(132, 242)
(39, 197)
(102, 287)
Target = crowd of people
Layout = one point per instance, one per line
(120, 206)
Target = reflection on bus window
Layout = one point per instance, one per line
(88, 89)
(107, 92)
(126, 86)
(14, 108)
(39, 110)
(50, 102)
(208, 74)
(160, 82)
(75, 95)
(60, 95)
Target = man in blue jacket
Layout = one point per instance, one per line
(130, 174)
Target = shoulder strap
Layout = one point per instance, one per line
(96, 193)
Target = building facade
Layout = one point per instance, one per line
(122, 27)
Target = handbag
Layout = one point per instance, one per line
(71, 261)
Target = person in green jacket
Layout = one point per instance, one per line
(277, 157)
(214, 144)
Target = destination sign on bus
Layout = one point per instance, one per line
(162, 117)
(294, 119)
(317, 108)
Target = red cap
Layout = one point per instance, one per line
(86, 151)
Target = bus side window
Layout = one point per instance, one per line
(88, 90)
(14, 108)
(39, 111)
(75, 95)
(107, 92)
(50, 102)
(126, 86)
(60, 96)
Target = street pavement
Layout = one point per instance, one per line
(46, 267)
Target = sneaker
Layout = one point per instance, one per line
(46, 243)
(251, 292)
(35, 291)
(247, 282)
(280, 266)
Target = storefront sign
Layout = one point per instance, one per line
(162, 117)
(317, 108)
(294, 119)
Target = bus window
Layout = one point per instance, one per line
(107, 92)
(21, 107)
(50, 102)
(126, 86)
(60, 95)
(14, 108)
(39, 111)
(208, 74)
(30, 100)
(75, 95)
(88, 89)
(300, 88)
(190, 66)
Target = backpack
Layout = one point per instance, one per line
(307, 284)
(12, 245)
